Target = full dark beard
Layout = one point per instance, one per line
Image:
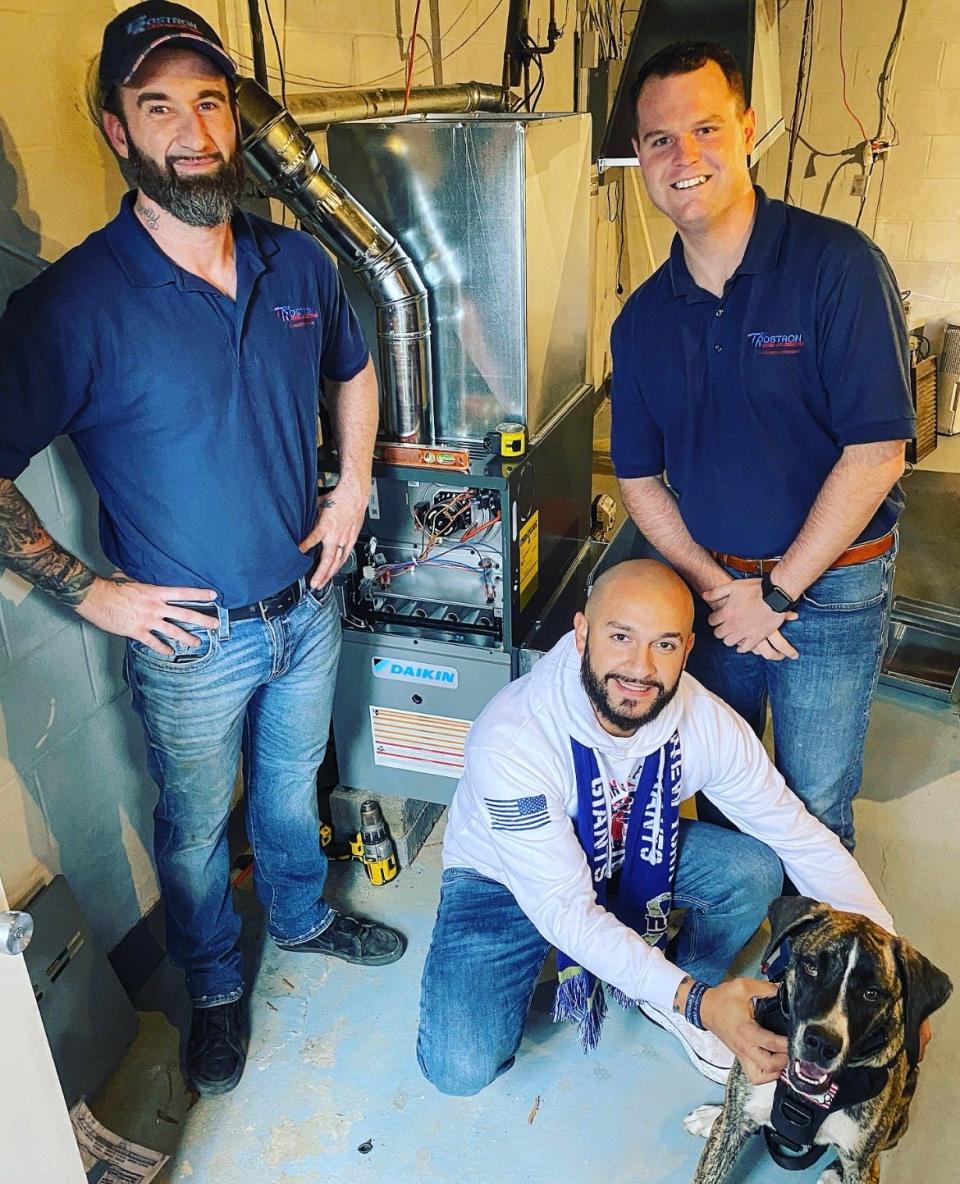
(210, 200)
(599, 696)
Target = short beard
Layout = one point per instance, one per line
(599, 696)
(197, 201)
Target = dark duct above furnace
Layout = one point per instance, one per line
(748, 28)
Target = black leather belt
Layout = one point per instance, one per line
(270, 606)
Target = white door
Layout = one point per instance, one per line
(37, 1145)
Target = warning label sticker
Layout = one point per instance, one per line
(421, 743)
(529, 558)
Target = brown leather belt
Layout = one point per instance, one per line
(859, 553)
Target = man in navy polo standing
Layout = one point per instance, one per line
(182, 347)
(764, 370)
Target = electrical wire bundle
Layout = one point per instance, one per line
(870, 151)
(437, 522)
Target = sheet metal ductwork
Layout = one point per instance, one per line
(284, 161)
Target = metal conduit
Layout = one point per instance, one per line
(284, 162)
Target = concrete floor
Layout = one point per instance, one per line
(332, 1065)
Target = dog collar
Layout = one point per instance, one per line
(796, 1117)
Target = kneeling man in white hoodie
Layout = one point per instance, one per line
(565, 831)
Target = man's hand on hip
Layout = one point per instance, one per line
(727, 1010)
(130, 609)
(741, 619)
(340, 514)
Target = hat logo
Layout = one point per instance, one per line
(144, 24)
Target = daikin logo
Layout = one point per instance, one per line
(396, 668)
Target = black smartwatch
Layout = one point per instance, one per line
(774, 597)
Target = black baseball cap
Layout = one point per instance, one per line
(138, 31)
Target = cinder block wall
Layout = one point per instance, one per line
(913, 204)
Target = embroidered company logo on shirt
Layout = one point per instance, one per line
(296, 318)
(769, 344)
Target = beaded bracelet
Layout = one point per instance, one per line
(691, 1009)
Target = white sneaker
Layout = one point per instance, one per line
(706, 1052)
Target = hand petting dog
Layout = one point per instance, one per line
(727, 1010)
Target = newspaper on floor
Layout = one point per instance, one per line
(108, 1159)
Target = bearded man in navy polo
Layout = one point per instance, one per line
(182, 348)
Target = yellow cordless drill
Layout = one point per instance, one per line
(373, 845)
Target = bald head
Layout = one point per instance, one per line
(633, 638)
(645, 582)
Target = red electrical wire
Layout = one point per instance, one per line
(477, 528)
(411, 57)
(843, 72)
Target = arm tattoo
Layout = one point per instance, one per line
(27, 549)
(151, 217)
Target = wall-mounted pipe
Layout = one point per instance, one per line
(317, 110)
(284, 162)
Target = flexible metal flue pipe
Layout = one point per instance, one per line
(283, 160)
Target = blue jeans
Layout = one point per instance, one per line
(820, 702)
(485, 955)
(265, 687)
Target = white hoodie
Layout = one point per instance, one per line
(520, 747)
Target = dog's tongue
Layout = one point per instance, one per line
(811, 1074)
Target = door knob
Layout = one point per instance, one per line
(16, 929)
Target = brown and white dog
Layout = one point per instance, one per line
(851, 1003)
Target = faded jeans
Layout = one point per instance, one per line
(820, 702)
(486, 955)
(266, 688)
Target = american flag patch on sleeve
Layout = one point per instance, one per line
(519, 814)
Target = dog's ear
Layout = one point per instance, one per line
(925, 988)
(788, 915)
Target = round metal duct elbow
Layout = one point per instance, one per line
(283, 160)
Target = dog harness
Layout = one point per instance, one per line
(796, 1117)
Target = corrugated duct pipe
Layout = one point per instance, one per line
(284, 161)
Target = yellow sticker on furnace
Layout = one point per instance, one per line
(529, 558)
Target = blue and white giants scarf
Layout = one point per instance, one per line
(645, 891)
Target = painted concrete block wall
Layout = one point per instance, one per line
(911, 211)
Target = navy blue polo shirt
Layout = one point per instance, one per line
(195, 415)
(747, 401)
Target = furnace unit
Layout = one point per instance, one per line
(464, 550)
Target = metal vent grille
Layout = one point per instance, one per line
(950, 357)
(948, 415)
(923, 388)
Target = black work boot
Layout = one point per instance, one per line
(354, 939)
(216, 1049)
